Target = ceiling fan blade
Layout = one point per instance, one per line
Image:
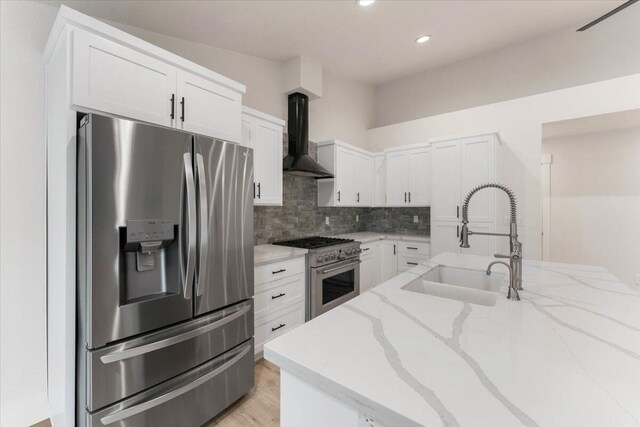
(606, 15)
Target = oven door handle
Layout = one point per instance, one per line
(340, 268)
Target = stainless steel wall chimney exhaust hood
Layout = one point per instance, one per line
(298, 162)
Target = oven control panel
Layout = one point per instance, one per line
(334, 254)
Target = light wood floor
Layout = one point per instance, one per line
(260, 407)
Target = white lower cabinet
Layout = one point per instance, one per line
(388, 260)
(369, 267)
(279, 298)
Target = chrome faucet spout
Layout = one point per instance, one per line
(515, 255)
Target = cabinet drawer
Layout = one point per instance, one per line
(277, 270)
(413, 248)
(274, 296)
(278, 323)
(369, 248)
(407, 262)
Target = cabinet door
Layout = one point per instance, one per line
(420, 177)
(364, 180)
(445, 181)
(388, 260)
(267, 160)
(379, 179)
(117, 80)
(397, 178)
(368, 272)
(481, 245)
(208, 108)
(344, 180)
(445, 237)
(477, 166)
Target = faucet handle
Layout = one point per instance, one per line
(502, 256)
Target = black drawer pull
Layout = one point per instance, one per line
(282, 325)
(277, 296)
(365, 249)
(414, 249)
(279, 271)
(412, 263)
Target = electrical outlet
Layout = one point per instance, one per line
(326, 220)
(638, 279)
(416, 219)
(357, 218)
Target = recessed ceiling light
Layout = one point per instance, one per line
(366, 2)
(422, 39)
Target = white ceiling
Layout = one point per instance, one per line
(592, 124)
(373, 44)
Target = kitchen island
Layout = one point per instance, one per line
(567, 354)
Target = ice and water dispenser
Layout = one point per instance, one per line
(151, 260)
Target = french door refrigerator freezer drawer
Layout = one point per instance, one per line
(190, 399)
(119, 371)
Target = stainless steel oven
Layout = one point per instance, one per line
(333, 284)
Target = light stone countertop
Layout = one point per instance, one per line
(567, 354)
(269, 253)
(370, 236)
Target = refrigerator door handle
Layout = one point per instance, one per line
(203, 227)
(188, 271)
(145, 406)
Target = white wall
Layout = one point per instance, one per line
(519, 123)
(345, 111)
(595, 200)
(551, 62)
(24, 30)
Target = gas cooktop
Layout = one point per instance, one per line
(314, 242)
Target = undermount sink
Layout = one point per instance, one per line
(461, 284)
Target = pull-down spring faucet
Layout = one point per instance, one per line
(515, 247)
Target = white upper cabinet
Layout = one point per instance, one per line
(117, 74)
(207, 108)
(379, 179)
(458, 166)
(352, 168)
(113, 78)
(445, 179)
(408, 176)
(263, 133)
(364, 182)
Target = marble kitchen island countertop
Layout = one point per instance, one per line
(567, 354)
(370, 236)
(270, 253)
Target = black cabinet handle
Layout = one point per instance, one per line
(338, 195)
(412, 248)
(282, 325)
(254, 190)
(394, 249)
(409, 196)
(259, 191)
(173, 106)
(358, 197)
(405, 197)
(457, 231)
(182, 105)
(279, 271)
(277, 296)
(412, 263)
(365, 249)
(457, 211)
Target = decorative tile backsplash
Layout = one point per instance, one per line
(300, 216)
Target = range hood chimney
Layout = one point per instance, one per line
(298, 162)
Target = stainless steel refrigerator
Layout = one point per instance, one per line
(165, 275)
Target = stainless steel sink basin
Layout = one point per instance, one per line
(461, 284)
